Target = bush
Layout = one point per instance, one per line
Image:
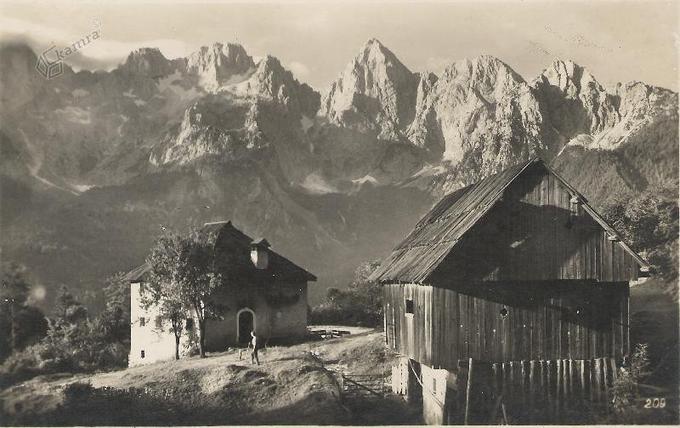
(356, 315)
(361, 304)
(627, 403)
(625, 390)
(73, 343)
(20, 365)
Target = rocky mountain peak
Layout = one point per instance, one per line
(374, 53)
(220, 64)
(575, 102)
(273, 82)
(270, 65)
(470, 100)
(15, 49)
(19, 82)
(149, 62)
(569, 77)
(484, 73)
(375, 90)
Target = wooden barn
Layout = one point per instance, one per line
(262, 292)
(509, 300)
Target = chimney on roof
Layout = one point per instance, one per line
(259, 253)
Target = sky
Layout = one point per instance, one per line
(617, 41)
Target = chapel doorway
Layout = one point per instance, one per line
(245, 323)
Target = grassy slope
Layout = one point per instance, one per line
(291, 386)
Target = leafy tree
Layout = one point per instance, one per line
(20, 323)
(646, 221)
(361, 303)
(114, 321)
(165, 296)
(649, 223)
(69, 310)
(182, 278)
(117, 292)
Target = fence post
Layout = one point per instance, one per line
(558, 389)
(548, 387)
(583, 380)
(467, 392)
(598, 380)
(532, 389)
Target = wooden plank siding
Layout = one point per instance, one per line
(565, 321)
(530, 234)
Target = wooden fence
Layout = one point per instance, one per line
(523, 392)
(355, 386)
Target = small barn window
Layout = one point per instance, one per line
(189, 324)
(142, 323)
(141, 354)
(409, 306)
(434, 385)
(574, 207)
(504, 313)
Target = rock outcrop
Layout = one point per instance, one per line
(149, 62)
(219, 65)
(375, 92)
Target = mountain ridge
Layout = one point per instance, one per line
(177, 142)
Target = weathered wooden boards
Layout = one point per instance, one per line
(524, 223)
(536, 233)
(572, 321)
(539, 391)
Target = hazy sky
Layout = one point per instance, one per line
(617, 41)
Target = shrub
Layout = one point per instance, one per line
(73, 343)
(627, 403)
(357, 315)
(625, 390)
(360, 304)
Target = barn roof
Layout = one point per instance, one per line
(238, 244)
(438, 232)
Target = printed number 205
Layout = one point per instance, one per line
(655, 403)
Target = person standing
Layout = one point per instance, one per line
(255, 343)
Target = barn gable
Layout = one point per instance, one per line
(524, 223)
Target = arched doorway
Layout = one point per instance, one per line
(245, 323)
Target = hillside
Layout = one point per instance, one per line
(293, 385)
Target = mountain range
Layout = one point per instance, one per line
(96, 164)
